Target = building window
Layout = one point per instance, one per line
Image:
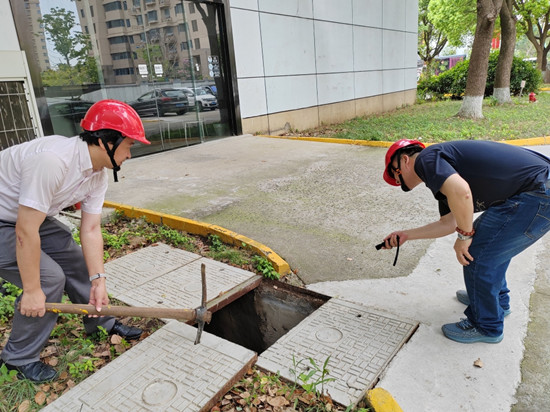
(194, 25)
(86, 30)
(136, 3)
(152, 16)
(179, 8)
(168, 30)
(182, 27)
(166, 13)
(197, 44)
(139, 20)
(117, 40)
(124, 72)
(92, 11)
(15, 119)
(191, 8)
(115, 5)
(184, 46)
(115, 23)
(82, 12)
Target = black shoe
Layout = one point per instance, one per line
(126, 332)
(37, 372)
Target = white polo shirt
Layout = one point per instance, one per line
(49, 174)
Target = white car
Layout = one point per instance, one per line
(200, 99)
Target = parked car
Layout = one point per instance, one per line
(158, 102)
(212, 89)
(200, 98)
(66, 114)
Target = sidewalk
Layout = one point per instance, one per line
(323, 207)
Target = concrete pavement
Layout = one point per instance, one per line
(322, 207)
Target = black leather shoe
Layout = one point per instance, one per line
(127, 332)
(37, 372)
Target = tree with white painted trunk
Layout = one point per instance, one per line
(487, 13)
(501, 91)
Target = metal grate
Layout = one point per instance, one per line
(15, 119)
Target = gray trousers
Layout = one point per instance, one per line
(62, 268)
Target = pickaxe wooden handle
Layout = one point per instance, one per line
(199, 315)
(193, 315)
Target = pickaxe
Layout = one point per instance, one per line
(199, 315)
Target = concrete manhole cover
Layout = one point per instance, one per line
(329, 335)
(159, 392)
(360, 343)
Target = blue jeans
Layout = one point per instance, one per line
(502, 232)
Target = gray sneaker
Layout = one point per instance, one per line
(463, 298)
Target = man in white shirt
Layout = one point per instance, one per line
(38, 179)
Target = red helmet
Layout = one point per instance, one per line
(114, 115)
(400, 144)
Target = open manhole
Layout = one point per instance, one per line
(259, 318)
(289, 328)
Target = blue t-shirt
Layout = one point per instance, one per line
(494, 171)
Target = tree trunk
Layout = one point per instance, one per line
(487, 12)
(506, 57)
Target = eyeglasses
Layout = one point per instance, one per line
(395, 170)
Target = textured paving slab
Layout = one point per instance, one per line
(164, 372)
(162, 276)
(360, 344)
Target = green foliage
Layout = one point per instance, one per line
(6, 376)
(264, 267)
(7, 302)
(175, 237)
(115, 241)
(452, 83)
(312, 379)
(219, 251)
(82, 368)
(216, 244)
(14, 392)
(455, 18)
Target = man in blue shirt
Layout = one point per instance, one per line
(509, 184)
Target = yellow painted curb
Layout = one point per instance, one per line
(380, 400)
(332, 140)
(532, 141)
(203, 229)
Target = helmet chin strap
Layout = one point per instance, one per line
(111, 153)
(404, 186)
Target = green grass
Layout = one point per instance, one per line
(437, 122)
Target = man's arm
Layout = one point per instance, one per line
(460, 199)
(92, 248)
(443, 227)
(28, 251)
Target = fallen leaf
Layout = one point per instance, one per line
(278, 401)
(63, 375)
(24, 406)
(51, 398)
(40, 398)
(116, 340)
(53, 362)
(478, 363)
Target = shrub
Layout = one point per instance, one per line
(452, 83)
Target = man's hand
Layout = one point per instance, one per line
(33, 303)
(98, 294)
(462, 254)
(390, 241)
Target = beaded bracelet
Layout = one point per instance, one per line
(463, 233)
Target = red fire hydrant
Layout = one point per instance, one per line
(532, 97)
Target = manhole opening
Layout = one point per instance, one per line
(260, 317)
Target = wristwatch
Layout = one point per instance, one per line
(97, 276)
(462, 235)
